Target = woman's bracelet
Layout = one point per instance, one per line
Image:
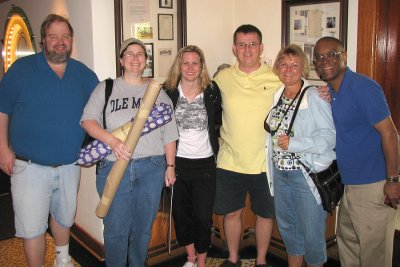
(170, 165)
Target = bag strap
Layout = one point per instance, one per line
(305, 167)
(297, 108)
(107, 94)
(292, 121)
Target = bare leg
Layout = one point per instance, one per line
(35, 251)
(201, 259)
(60, 233)
(264, 229)
(295, 261)
(191, 252)
(233, 231)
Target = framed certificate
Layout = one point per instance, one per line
(165, 27)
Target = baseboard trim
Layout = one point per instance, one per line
(88, 242)
(97, 249)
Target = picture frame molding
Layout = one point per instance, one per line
(181, 21)
(165, 32)
(149, 70)
(298, 25)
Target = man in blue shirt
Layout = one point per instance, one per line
(367, 156)
(41, 101)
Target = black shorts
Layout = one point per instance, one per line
(232, 188)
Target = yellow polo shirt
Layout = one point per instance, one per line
(246, 100)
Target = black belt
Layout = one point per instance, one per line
(30, 161)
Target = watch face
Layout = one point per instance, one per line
(18, 38)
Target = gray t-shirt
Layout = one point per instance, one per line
(122, 106)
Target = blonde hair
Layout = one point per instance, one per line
(292, 50)
(175, 74)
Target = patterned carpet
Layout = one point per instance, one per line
(12, 253)
(215, 262)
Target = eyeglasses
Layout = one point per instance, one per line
(250, 45)
(54, 37)
(133, 55)
(331, 55)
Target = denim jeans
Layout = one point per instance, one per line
(128, 223)
(301, 221)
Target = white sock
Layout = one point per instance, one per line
(62, 253)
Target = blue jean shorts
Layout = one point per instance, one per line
(39, 190)
(301, 221)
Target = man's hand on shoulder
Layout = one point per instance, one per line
(324, 93)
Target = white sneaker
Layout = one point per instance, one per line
(190, 264)
(65, 263)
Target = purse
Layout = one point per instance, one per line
(329, 186)
(328, 182)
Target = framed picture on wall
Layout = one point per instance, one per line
(149, 70)
(139, 18)
(165, 3)
(165, 27)
(305, 21)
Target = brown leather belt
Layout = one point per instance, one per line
(30, 161)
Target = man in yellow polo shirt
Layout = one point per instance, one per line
(246, 90)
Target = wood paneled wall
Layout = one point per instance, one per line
(378, 48)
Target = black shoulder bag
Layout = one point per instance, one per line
(107, 93)
(328, 182)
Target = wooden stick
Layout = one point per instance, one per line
(119, 167)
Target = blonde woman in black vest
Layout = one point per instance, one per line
(197, 104)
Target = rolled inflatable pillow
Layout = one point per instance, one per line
(95, 151)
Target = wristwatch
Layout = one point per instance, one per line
(392, 179)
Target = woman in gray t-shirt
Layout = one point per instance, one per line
(128, 224)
